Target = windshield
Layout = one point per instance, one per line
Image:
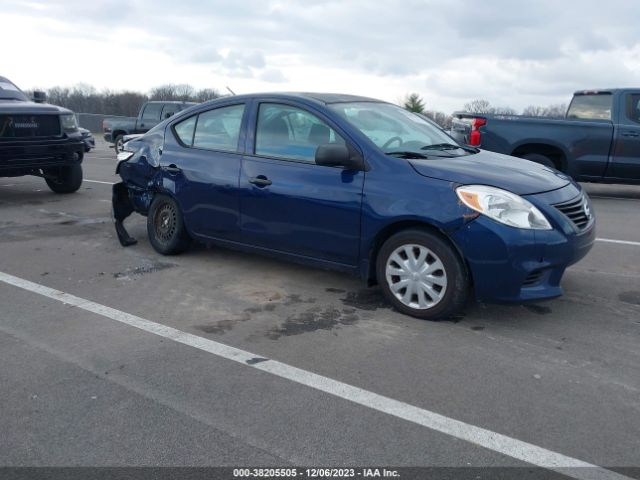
(397, 131)
(8, 91)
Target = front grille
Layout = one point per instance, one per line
(577, 210)
(29, 126)
(533, 278)
(35, 153)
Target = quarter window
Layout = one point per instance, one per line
(219, 129)
(291, 133)
(184, 130)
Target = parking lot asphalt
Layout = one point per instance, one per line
(80, 388)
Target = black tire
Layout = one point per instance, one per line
(165, 226)
(455, 273)
(65, 179)
(541, 159)
(118, 143)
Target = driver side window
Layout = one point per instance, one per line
(291, 133)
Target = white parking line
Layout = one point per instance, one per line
(497, 442)
(98, 181)
(621, 242)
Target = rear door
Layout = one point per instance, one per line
(201, 162)
(625, 162)
(287, 202)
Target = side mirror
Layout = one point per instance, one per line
(39, 97)
(168, 114)
(336, 155)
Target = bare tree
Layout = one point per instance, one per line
(552, 111)
(503, 111)
(440, 118)
(534, 111)
(478, 106)
(163, 93)
(414, 103)
(558, 110)
(484, 107)
(206, 94)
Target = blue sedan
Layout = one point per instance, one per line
(358, 185)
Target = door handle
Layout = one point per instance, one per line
(260, 181)
(630, 134)
(173, 169)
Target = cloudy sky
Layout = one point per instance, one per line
(512, 53)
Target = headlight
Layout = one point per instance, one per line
(123, 156)
(502, 206)
(69, 123)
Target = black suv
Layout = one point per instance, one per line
(39, 139)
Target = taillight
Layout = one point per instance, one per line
(474, 137)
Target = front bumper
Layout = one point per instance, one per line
(516, 265)
(26, 155)
(108, 137)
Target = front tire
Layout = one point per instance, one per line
(165, 226)
(118, 144)
(65, 179)
(422, 275)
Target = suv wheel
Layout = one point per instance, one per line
(422, 275)
(65, 179)
(165, 226)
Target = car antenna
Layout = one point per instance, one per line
(232, 92)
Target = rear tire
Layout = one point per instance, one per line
(422, 275)
(165, 226)
(541, 159)
(65, 179)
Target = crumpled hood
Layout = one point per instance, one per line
(494, 169)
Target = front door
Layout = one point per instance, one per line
(290, 204)
(626, 153)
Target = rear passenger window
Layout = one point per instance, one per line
(219, 129)
(633, 107)
(184, 130)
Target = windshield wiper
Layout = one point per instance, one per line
(422, 156)
(448, 146)
(407, 154)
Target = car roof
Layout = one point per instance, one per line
(324, 98)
